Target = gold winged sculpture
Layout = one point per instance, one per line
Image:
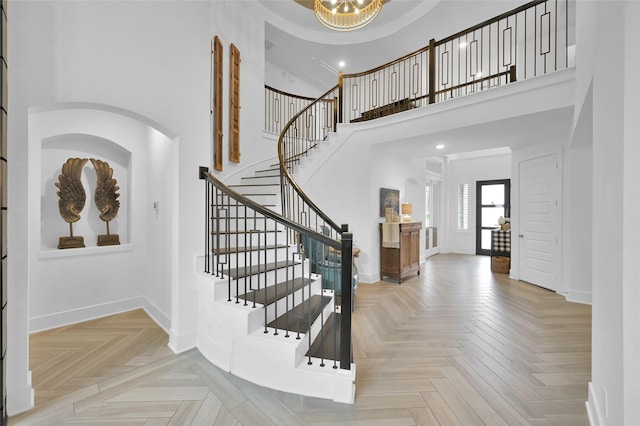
(71, 199)
(106, 198)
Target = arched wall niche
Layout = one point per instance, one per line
(72, 285)
(55, 152)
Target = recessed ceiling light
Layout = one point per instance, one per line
(341, 64)
(440, 146)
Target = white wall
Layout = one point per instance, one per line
(586, 38)
(349, 191)
(152, 59)
(614, 391)
(468, 170)
(630, 224)
(280, 79)
(578, 218)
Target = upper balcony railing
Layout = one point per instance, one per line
(531, 40)
(280, 107)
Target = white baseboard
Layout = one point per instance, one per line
(87, 313)
(74, 316)
(368, 278)
(183, 342)
(157, 315)
(461, 250)
(21, 399)
(579, 297)
(595, 419)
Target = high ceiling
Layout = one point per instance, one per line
(299, 44)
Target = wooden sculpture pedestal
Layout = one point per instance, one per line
(109, 240)
(70, 242)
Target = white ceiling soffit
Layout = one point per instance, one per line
(300, 22)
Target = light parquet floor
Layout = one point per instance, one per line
(457, 345)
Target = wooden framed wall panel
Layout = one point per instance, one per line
(217, 104)
(234, 105)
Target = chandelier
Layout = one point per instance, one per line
(346, 15)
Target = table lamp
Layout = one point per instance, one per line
(407, 209)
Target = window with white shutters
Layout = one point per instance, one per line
(463, 206)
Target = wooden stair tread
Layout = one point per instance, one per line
(297, 319)
(244, 271)
(270, 291)
(327, 343)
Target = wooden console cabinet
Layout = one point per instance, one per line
(401, 262)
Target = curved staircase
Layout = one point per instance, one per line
(263, 315)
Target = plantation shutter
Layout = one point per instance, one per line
(463, 206)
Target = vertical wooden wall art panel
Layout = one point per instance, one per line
(217, 104)
(234, 104)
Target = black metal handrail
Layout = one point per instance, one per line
(261, 256)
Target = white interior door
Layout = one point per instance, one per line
(539, 221)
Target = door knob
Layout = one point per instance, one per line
(520, 236)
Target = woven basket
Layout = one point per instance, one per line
(500, 264)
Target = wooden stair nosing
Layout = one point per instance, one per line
(327, 344)
(272, 295)
(244, 271)
(298, 319)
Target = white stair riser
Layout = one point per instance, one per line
(270, 201)
(252, 240)
(259, 256)
(227, 215)
(257, 189)
(262, 179)
(274, 171)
